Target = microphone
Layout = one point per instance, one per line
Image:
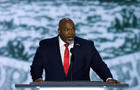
(72, 59)
(72, 54)
(71, 50)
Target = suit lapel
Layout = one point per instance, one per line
(76, 51)
(77, 46)
(58, 57)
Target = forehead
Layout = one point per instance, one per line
(68, 24)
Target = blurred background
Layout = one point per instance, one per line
(113, 25)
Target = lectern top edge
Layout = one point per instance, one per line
(72, 84)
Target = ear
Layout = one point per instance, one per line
(58, 30)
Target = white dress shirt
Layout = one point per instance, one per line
(62, 49)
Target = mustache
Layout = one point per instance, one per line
(70, 36)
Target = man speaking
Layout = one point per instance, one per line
(67, 57)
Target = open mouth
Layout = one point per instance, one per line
(70, 38)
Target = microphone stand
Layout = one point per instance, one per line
(72, 59)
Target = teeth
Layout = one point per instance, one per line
(70, 38)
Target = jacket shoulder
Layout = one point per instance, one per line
(84, 41)
(48, 41)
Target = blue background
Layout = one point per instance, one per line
(114, 26)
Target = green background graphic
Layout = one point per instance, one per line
(113, 25)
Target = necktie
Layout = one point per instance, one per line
(66, 59)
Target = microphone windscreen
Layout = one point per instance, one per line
(71, 50)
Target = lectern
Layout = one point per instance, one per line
(71, 85)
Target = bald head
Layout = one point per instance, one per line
(63, 21)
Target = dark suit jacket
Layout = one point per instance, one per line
(85, 56)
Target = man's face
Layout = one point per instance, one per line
(67, 31)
